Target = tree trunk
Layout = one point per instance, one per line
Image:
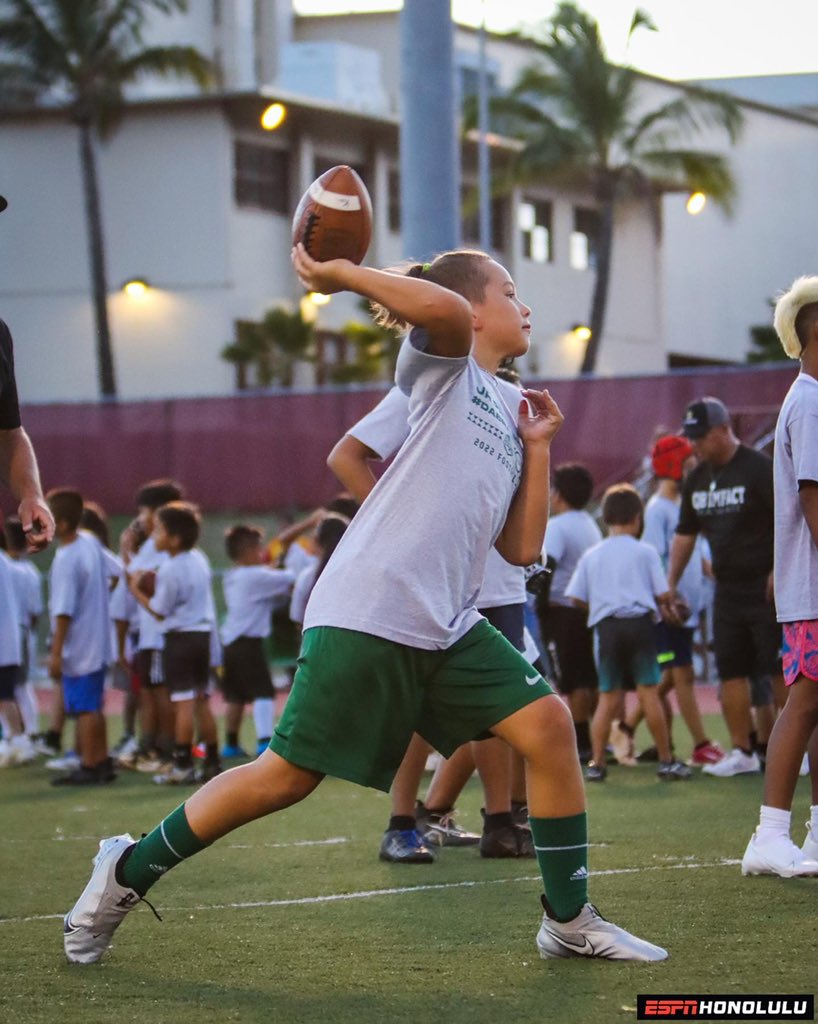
(599, 302)
(96, 252)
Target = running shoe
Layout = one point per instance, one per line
(673, 771)
(405, 846)
(706, 753)
(439, 828)
(734, 763)
(776, 855)
(90, 924)
(590, 934)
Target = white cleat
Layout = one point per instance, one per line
(776, 856)
(22, 750)
(589, 934)
(810, 847)
(734, 763)
(90, 924)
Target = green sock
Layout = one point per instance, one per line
(171, 842)
(562, 856)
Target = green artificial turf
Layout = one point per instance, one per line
(458, 946)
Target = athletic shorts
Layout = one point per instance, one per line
(573, 646)
(246, 673)
(149, 667)
(746, 636)
(357, 699)
(9, 678)
(674, 645)
(508, 619)
(626, 653)
(83, 694)
(186, 662)
(800, 650)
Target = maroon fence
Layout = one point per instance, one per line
(264, 452)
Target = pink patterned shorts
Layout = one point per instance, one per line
(800, 650)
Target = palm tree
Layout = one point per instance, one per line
(88, 51)
(582, 121)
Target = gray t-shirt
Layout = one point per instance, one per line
(385, 429)
(78, 585)
(411, 564)
(620, 577)
(184, 594)
(567, 536)
(796, 458)
(661, 520)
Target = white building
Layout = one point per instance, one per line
(197, 200)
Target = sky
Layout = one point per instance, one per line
(695, 38)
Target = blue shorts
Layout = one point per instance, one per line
(625, 651)
(674, 645)
(83, 694)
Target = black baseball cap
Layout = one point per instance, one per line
(702, 415)
(3, 203)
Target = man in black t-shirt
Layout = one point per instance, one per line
(728, 498)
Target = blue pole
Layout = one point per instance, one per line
(429, 145)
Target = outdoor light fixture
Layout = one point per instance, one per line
(696, 203)
(581, 332)
(273, 116)
(136, 287)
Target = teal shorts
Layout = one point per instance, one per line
(357, 699)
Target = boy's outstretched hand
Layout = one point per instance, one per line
(326, 278)
(539, 417)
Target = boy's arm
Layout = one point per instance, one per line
(295, 530)
(443, 314)
(62, 624)
(141, 599)
(349, 461)
(521, 539)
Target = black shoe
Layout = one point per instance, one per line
(106, 772)
(405, 846)
(651, 754)
(209, 770)
(81, 776)
(507, 841)
(595, 772)
(439, 828)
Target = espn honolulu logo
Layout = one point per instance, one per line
(725, 1007)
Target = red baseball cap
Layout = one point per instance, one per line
(669, 455)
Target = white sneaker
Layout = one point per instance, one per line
(22, 749)
(66, 763)
(5, 754)
(589, 934)
(176, 776)
(90, 924)
(810, 847)
(776, 855)
(734, 763)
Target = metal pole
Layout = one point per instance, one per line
(429, 145)
(483, 165)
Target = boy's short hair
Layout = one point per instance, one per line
(621, 504)
(95, 520)
(344, 504)
(575, 483)
(240, 538)
(182, 520)
(66, 505)
(156, 493)
(15, 534)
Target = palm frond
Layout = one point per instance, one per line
(178, 61)
(690, 170)
(641, 19)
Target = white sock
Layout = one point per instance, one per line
(813, 820)
(774, 822)
(27, 703)
(264, 717)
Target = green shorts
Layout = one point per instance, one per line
(357, 699)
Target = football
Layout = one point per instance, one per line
(334, 218)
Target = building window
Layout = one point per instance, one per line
(584, 239)
(262, 177)
(393, 207)
(534, 225)
(470, 223)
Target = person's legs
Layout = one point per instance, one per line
(656, 721)
(450, 776)
(233, 714)
(735, 706)
(788, 741)
(683, 685)
(606, 710)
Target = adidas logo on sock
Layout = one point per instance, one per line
(579, 875)
(158, 869)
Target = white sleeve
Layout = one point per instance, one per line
(386, 427)
(578, 584)
(657, 573)
(164, 599)
(422, 375)
(64, 590)
(554, 545)
(654, 532)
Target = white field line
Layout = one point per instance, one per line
(402, 891)
(335, 841)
